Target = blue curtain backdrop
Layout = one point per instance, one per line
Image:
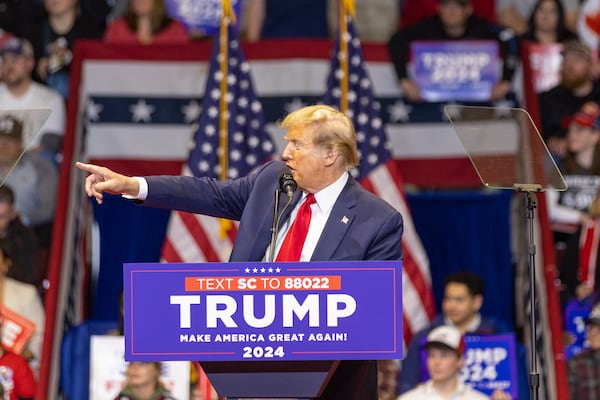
(459, 230)
(469, 230)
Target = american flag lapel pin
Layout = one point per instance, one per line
(345, 219)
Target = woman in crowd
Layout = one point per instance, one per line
(569, 210)
(547, 23)
(146, 22)
(143, 383)
(65, 23)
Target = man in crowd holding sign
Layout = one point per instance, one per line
(455, 22)
(341, 220)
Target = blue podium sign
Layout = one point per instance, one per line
(255, 311)
(455, 70)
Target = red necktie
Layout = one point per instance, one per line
(294, 239)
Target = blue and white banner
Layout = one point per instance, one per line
(491, 363)
(203, 16)
(455, 70)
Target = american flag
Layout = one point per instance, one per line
(376, 172)
(196, 238)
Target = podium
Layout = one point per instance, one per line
(270, 379)
(264, 330)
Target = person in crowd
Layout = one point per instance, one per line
(412, 12)
(320, 151)
(65, 23)
(571, 212)
(387, 379)
(547, 25)
(454, 21)
(23, 299)
(375, 20)
(463, 298)
(580, 167)
(146, 22)
(26, 261)
(514, 14)
(583, 369)
(445, 351)
(579, 272)
(142, 382)
(576, 87)
(17, 381)
(274, 19)
(18, 91)
(32, 177)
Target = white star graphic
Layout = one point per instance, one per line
(247, 270)
(255, 270)
(141, 111)
(93, 110)
(294, 105)
(278, 270)
(191, 111)
(399, 111)
(263, 270)
(270, 270)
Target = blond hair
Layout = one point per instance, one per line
(332, 129)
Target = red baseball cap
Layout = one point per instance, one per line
(588, 116)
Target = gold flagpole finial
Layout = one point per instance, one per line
(346, 11)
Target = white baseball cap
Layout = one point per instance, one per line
(594, 317)
(448, 336)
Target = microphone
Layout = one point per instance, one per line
(287, 184)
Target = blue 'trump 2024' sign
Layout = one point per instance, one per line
(263, 311)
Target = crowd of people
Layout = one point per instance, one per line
(36, 49)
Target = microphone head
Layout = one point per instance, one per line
(287, 183)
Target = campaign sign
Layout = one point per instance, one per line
(545, 61)
(263, 311)
(575, 314)
(203, 16)
(491, 363)
(455, 70)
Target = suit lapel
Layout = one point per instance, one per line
(340, 219)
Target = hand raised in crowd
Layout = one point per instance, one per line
(410, 90)
(583, 290)
(500, 394)
(102, 179)
(500, 90)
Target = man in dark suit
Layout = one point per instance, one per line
(347, 222)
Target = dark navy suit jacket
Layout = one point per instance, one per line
(361, 226)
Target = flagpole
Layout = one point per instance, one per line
(223, 125)
(227, 17)
(345, 6)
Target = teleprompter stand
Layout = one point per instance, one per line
(508, 152)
